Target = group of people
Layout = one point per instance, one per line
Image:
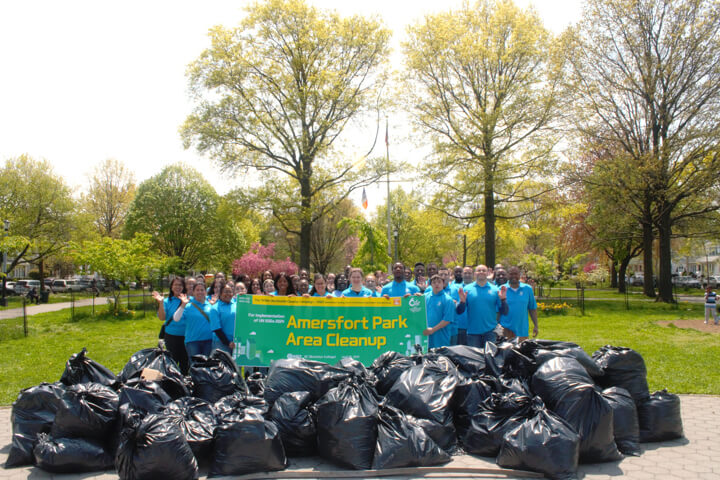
(463, 307)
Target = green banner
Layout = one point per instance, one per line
(326, 329)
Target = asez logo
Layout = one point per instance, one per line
(414, 305)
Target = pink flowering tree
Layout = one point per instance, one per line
(260, 258)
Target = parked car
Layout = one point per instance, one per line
(9, 287)
(637, 280)
(713, 281)
(24, 286)
(686, 282)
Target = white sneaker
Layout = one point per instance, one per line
(705, 322)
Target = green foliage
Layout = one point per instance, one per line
(111, 189)
(118, 259)
(372, 254)
(178, 208)
(275, 94)
(40, 208)
(540, 268)
(482, 84)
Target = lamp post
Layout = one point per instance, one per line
(3, 302)
(395, 234)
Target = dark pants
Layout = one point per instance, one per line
(462, 338)
(479, 340)
(200, 347)
(176, 346)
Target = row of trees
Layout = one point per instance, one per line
(599, 141)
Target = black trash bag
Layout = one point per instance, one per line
(347, 418)
(353, 366)
(146, 396)
(87, 410)
(400, 443)
(154, 447)
(197, 422)
(158, 359)
(543, 443)
(444, 435)
(660, 418)
(216, 376)
(507, 360)
(33, 412)
(515, 385)
(625, 420)
(542, 354)
(231, 405)
(256, 383)
(247, 444)
(469, 395)
(71, 455)
(387, 368)
(563, 385)
(497, 415)
(469, 360)
(80, 369)
(425, 390)
(296, 423)
(624, 368)
(299, 375)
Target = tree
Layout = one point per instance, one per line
(372, 254)
(331, 238)
(260, 258)
(178, 209)
(646, 78)
(483, 85)
(238, 227)
(275, 94)
(119, 260)
(40, 209)
(111, 189)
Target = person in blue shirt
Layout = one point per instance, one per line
(196, 314)
(371, 284)
(398, 287)
(174, 331)
(432, 269)
(440, 311)
(484, 301)
(419, 270)
(457, 275)
(453, 290)
(303, 289)
(356, 288)
(341, 284)
(222, 321)
(318, 288)
(521, 302)
(501, 276)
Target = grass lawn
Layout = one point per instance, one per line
(680, 360)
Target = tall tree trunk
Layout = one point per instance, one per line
(622, 273)
(613, 274)
(665, 276)
(647, 226)
(489, 216)
(305, 222)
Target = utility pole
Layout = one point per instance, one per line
(387, 159)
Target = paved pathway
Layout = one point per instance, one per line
(54, 307)
(693, 457)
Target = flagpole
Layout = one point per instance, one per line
(387, 158)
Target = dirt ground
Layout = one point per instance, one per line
(696, 324)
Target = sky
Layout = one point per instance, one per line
(83, 81)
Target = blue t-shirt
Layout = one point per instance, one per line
(337, 293)
(171, 304)
(399, 289)
(519, 303)
(438, 308)
(222, 316)
(365, 292)
(483, 303)
(460, 318)
(327, 294)
(197, 328)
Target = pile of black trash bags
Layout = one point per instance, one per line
(540, 405)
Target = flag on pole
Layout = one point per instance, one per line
(364, 199)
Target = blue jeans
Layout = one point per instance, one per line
(218, 345)
(199, 347)
(479, 340)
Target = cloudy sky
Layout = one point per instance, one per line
(84, 81)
